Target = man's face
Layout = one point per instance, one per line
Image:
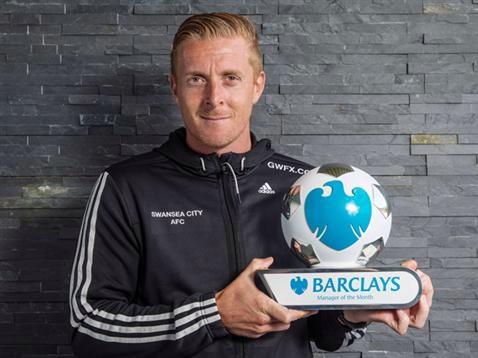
(215, 88)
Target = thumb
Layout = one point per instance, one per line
(259, 264)
(410, 264)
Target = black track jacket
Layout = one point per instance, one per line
(162, 232)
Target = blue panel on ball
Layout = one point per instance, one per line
(338, 218)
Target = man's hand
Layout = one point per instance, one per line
(399, 320)
(246, 311)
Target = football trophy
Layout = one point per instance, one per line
(335, 219)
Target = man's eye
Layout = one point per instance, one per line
(232, 78)
(196, 79)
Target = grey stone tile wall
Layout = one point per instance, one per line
(390, 86)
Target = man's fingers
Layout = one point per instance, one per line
(275, 310)
(421, 313)
(298, 314)
(258, 264)
(427, 286)
(259, 330)
(269, 324)
(276, 327)
(282, 314)
(410, 264)
(403, 320)
(398, 320)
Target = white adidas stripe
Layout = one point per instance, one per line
(353, 335)
(163, 337)
(76, 315)
(154, 317)
(75, 262)
(91, 243)
(79, 264)
(150, 329)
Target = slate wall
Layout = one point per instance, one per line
(390, 86)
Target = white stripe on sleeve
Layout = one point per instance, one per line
(84, 258)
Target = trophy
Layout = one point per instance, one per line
(335, 219)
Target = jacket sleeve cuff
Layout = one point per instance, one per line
(327, 332)
(350, 325)
(211, 314)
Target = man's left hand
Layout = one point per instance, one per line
(400, 319)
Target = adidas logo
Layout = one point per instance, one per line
(266, 189)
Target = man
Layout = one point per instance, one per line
(171, 239)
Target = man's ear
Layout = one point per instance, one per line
(172, 86)
(259, 84)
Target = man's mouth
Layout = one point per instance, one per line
(214, 118)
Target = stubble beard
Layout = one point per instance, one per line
(216, 142)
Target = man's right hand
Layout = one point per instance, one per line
(246, 311)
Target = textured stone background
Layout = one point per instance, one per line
(390, 86)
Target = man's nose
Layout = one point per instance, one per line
(214, 95)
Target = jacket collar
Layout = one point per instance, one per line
(178, 151)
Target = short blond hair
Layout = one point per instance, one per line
(215, 25)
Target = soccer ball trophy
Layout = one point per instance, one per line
(336, 218)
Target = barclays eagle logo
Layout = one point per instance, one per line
(298, 285)
(338, 220)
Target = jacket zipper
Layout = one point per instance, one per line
(232, 229)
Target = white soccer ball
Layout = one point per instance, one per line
(336, 216)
